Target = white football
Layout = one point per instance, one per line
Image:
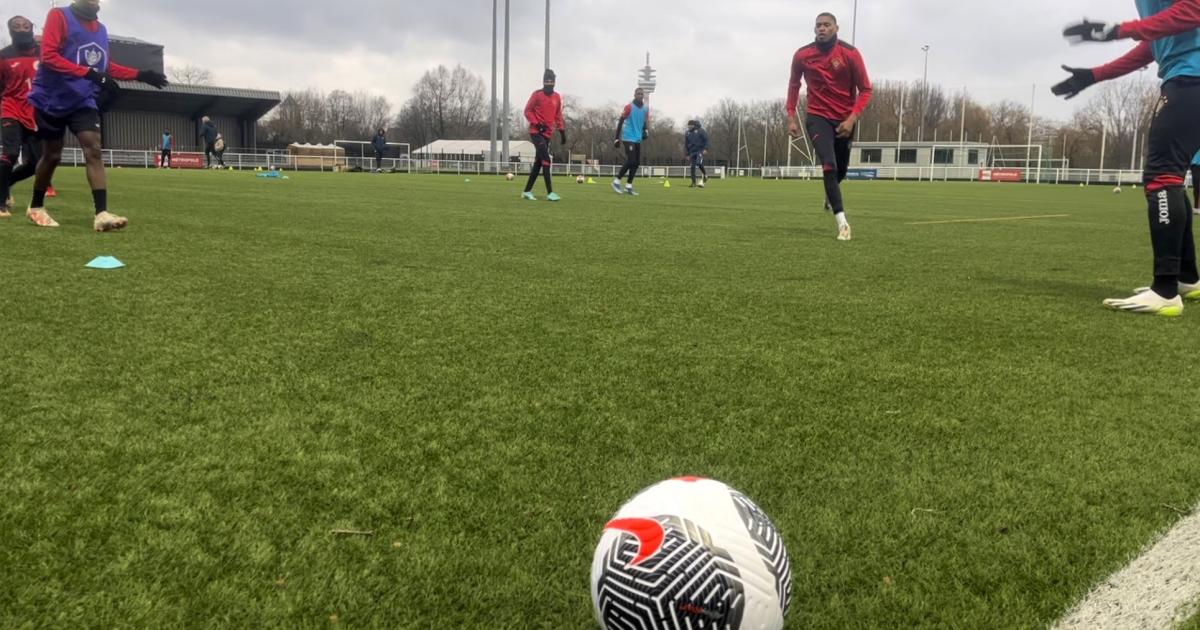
(510, 177)
(1117, 190)
(691, 553)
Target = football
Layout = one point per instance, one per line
(691, 553)
(1117, 190)
(510, 177)
(580, 179)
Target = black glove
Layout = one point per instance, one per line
(542, 128)
(108, 85)
(617, 143)
(1087, 31)
(153, 77)
(1081, 79)
(562, 135)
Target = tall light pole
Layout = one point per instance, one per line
(854, 25)
(495, 132)
(924, 95)
(506, 131)
(547, 35)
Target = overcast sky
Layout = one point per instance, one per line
(704, 50)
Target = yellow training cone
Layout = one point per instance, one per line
(667, 184)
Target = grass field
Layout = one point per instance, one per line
(946, 425)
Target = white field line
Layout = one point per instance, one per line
(1159, 589)
(1039, 216)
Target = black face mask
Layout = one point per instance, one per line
(548, 89)
(22, 40)
(85, 12)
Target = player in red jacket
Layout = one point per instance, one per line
(545, 114)
(18, 64)
(839, 91)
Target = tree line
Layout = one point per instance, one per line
(452, 104)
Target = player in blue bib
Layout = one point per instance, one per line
(632, 129)
(74, 80)
(1169, 32)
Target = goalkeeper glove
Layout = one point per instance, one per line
(1088, 31)
(1081, 79)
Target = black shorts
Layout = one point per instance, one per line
(78, 121)
(633, 152)
(15, 136)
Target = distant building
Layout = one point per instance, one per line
(947, 154)
(472, 151)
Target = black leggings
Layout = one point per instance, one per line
(1173, 143)
(165, 160)
(834, 153)
(633, 160)
(21, 152)
(541, 163)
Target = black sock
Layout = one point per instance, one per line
(6, 169)
(1168, 210)
(549, 186)
(100, 198)
(1188, 273)
(39, 199)
(833, 192)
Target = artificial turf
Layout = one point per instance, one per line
(946, 426)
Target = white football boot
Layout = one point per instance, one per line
(1147, 303)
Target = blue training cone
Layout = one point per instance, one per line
(105, 262)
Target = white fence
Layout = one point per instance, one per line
(267, 160)
(955, 173)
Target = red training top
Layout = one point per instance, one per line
(544, 110)
(17, 70)
(53, 36)
(838, 85)
(1131, 61)
(1183, 16)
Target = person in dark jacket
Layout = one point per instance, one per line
(696, 145)
(379, 143)
(209, 133)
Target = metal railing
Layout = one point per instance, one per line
(269, 160)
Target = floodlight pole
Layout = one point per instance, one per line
(854, 26)
(547, 35)
(507, 132)
(924, 95)
(495, 132)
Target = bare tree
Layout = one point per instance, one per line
(189, 74)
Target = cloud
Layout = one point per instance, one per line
(704, 50)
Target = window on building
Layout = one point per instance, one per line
(943, 156)
(906, 156)
(872, 156)
(973, 156)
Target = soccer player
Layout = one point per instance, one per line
(632, 128)
(208, 131)
(18, 65)
(839, 91)
(1169, 35)
(379, 143)
(75, 70)
(167, 143)
(1196, 184)
(545, 114)
(695, 143)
